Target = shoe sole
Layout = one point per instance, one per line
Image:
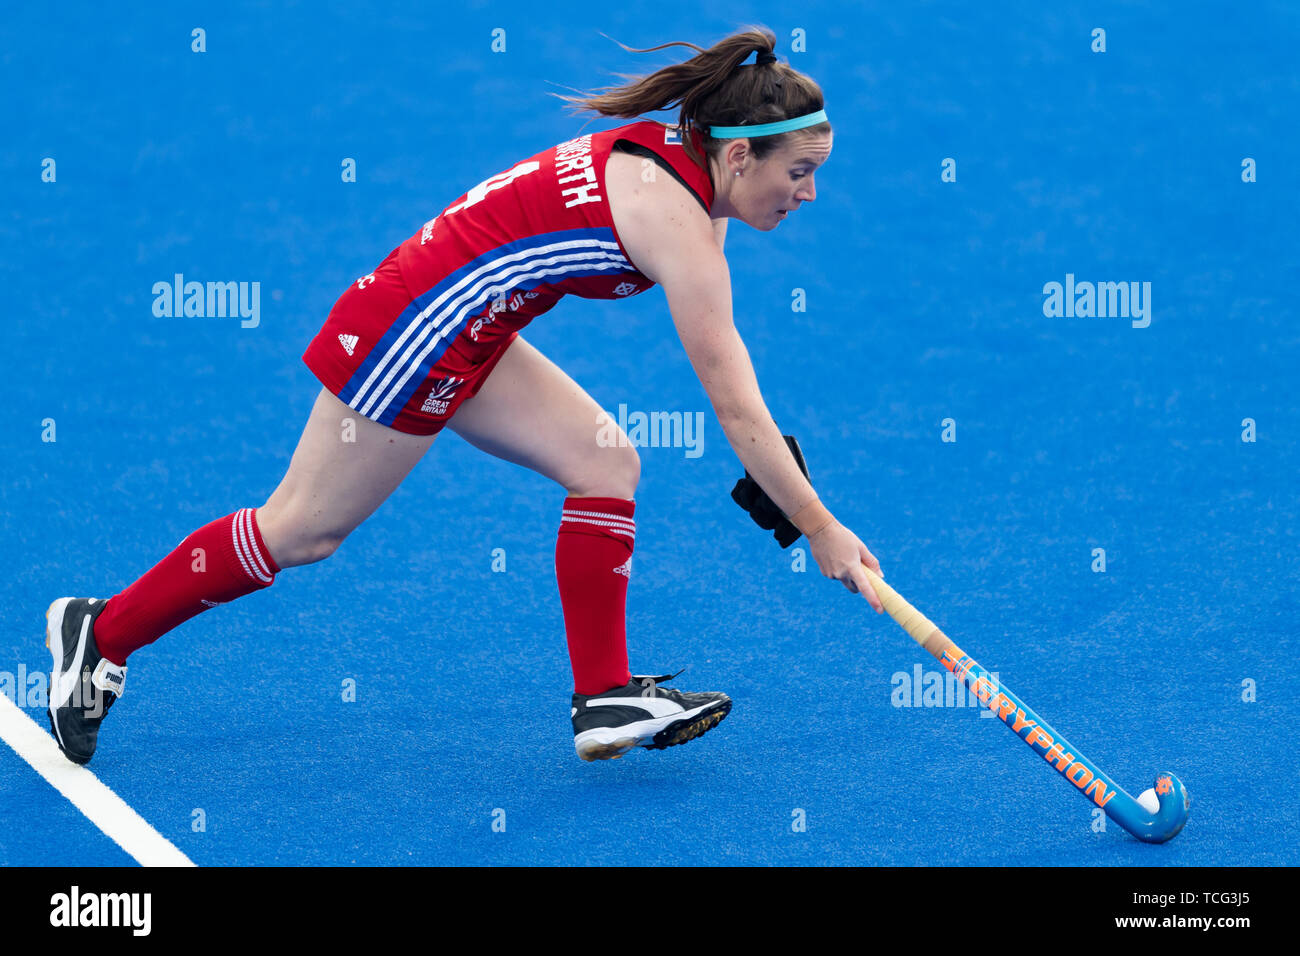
(687, 730)
(676, 733)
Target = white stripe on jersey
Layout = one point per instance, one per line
(592, 251)
(448, 324)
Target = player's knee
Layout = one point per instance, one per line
(620, 472)
(315, 546)
(293, 539)
(615, 473)
(631, 476)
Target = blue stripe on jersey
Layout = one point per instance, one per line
(416, 340)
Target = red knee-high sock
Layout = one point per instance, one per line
(593, 562)
(218, 563)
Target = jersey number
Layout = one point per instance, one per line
(479, 192)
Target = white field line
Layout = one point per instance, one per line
(88, 793)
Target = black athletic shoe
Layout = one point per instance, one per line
(642, 714)
(83, 685)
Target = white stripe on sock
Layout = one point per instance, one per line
(234, 537)
(608, 525)
(237, 531)
(602, 515)
(252, 543)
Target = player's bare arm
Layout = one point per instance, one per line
(674, 242)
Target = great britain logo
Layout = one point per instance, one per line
(440, 396)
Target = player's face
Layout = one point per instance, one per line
(782, 182)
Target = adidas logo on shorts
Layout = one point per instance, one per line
(440, 396)
(625, 569)
(349, 342)
(625, 288)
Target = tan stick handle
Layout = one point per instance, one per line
(921, 628)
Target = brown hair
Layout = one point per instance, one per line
(714, 90)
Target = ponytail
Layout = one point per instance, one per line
(713, 89)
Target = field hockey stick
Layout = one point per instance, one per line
(1156, 817)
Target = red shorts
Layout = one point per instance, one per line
(385, 353)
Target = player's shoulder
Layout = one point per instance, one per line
(659, 219)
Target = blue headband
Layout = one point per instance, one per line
(768, 129)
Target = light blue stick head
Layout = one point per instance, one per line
(1175, 806)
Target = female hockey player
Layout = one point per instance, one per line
(430, 339)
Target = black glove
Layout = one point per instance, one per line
(763, 509)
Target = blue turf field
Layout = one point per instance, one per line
(924, 302)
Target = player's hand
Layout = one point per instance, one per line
(840, 555)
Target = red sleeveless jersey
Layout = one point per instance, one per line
(450, 297)
(552, 212)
